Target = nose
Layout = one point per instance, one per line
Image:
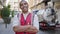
(24, 5)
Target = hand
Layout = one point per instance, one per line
(30, 29)
(28, 26)
(33, 28)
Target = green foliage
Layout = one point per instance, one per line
(0, 13)
(5, 11)
(13, 13)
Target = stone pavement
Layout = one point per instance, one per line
(4, 30)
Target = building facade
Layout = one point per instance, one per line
(36, 4)
(14, 4)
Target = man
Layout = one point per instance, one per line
(42, 14)
(25, 23)
(47, 13)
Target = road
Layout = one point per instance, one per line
(9, 30)
(49, 32)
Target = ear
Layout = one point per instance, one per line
(19, 5)
(28, 5)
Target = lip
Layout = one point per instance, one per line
(24, 8)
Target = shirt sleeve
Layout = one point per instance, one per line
(36, 22)
(15, 21)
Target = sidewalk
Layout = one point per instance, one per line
(4, 30)
(8, 30)
(1, 21)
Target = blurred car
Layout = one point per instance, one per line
(44, 25)
(58, 24)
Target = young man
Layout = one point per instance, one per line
(24, 22)
(45, 14)
(48, 13)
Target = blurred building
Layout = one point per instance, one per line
(57, 8)
(57, 5)
(36, 4)
(14, 4)
(39, 4)
(2, 3)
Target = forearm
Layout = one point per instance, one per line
(26, 28)
(20, 29)
(32, 30)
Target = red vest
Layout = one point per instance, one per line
(25, 22)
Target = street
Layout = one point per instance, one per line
(49, 32)
(9, 30)
(47, 11)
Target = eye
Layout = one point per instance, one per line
(25, 3)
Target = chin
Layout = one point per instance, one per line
(25, 10)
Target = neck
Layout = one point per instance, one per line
(25, 12)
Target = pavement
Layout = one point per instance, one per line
(4, 30)
(1, 21)
(9, 30)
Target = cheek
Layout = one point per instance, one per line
(21, 7)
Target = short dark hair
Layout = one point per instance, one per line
(21, 1)
(46, 3)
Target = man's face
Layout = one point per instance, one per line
(24, 6)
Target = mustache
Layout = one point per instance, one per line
(25, 7)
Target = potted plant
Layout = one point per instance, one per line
(0, 14)
(13, 13)
(5, 12)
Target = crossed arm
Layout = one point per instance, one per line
(27, 28)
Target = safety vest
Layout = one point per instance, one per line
(25, 22)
